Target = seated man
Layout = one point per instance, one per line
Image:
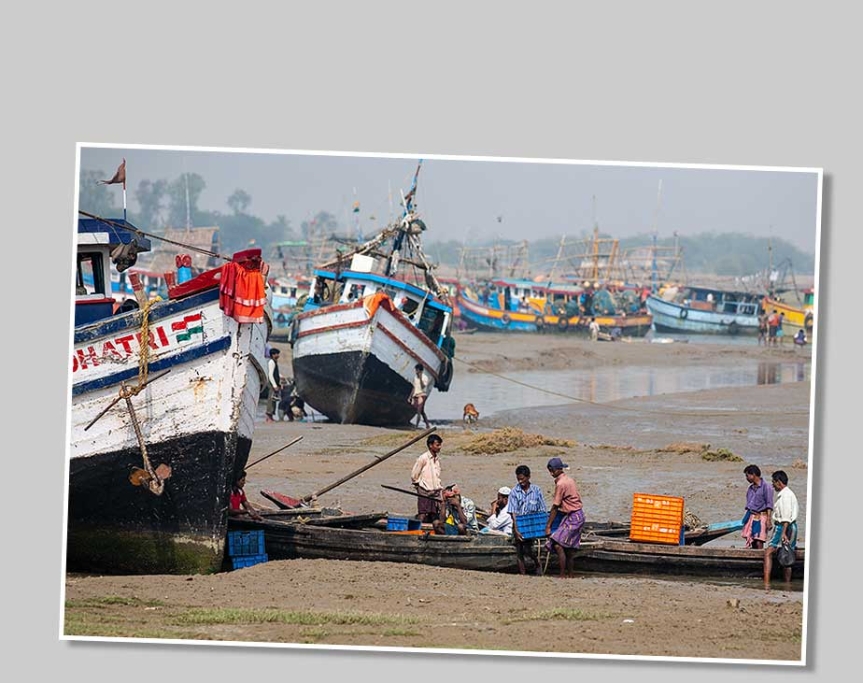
(499, 520)
(457, 514)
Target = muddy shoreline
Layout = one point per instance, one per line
(619, 448)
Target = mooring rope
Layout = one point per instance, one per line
(611, 406)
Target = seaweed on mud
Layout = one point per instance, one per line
(510, 439)
(720, 454)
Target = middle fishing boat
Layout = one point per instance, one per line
(372, 315)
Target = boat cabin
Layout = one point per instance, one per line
(99, 245)
(425, 311)
(720, 301)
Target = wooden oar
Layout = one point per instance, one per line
(362, 469)
(299, 438)
(411, 493)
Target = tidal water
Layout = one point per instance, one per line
(530, 389)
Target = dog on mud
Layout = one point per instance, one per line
(471, 414)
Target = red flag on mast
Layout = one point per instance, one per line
(119, 176)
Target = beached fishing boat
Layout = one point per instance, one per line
(164, 400)
(318, 538)
(614, 556)
(799, 314)
(372, 315)
(704, 310)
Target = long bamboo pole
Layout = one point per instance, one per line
(288, 445)
(362, 469)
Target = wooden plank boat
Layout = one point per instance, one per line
(319, 539)
(164, 398)
(367, 323)
(704, 310)
(652, 558)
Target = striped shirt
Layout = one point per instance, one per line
(522, 502)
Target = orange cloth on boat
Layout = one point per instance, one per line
(372, 301)
(241, 291)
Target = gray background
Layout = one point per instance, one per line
(765, 83)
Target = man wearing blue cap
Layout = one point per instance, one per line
(567, 501)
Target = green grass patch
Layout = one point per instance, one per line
(557, 614)
(205, 616)
(112, 600)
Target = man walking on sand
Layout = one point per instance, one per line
(275, 384)
(419, 394)
(566, 540)
(785, 512)
(425, 478)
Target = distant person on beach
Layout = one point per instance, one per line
(499, 521)
(759, 507)
(275, 384)
(425, 478)
(594, 329)
(772, 326)
(800, 338)
(762, 328)
(457, 515)
(785, 512)
(779, 333)
(419, 394)
(524, 499)
(566, 540)
(239, 504)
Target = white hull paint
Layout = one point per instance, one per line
(215, 389)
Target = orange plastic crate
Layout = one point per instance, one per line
(656, 519)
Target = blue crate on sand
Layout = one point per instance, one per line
(532, 525)
(248, 560)
(244, 543)
(403, 524)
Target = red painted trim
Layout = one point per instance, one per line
(407, 349)
(330, 309)
(205, 280)
(88, 302)
(333, 328)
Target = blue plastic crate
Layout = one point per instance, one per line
(532, 525)
(243, 543)
(403, 524)
(248, 560)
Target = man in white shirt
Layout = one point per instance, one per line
(425, 478)
(785, 511)
(419, 394)
(499, 520)
(594, 329)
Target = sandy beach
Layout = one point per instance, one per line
(652, 444)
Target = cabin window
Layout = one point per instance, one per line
(90, 277)
(355, 291)
(408, 306)
(431, 322)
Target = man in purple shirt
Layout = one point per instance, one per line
(759, 507)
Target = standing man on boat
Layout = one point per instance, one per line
(425, 478)
(567, 501)
(759, 506)
(524, 499)
(785, 512)
(275, 384)
(419, 393)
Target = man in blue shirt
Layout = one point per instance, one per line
(524, 499)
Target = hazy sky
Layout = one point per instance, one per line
(462, 199)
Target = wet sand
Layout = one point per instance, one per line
(619, 448)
